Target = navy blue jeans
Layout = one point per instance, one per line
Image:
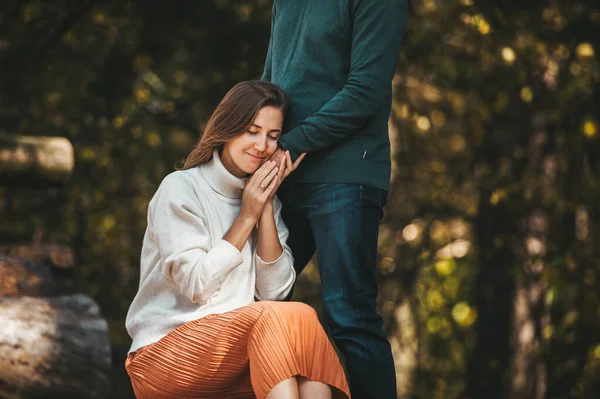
(341, 223)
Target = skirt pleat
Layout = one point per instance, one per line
(239, 354)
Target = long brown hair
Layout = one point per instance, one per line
(234, 115)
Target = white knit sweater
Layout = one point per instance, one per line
(187, 270)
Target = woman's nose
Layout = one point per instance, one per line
(260, 144)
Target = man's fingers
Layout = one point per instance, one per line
(288, 161)
(300, 158)
(276, 156)
(283, 165)
(288, 164)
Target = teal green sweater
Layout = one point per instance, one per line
(336, 60)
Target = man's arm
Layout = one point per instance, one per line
(268, 63)
(376, 37)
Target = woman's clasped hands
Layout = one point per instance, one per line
(263, 184)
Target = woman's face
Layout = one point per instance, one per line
(243, 155)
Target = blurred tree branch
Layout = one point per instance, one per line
(14, 57)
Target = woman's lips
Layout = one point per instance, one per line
(257, 158)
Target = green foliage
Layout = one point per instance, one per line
(495, 179)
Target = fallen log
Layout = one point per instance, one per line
(28, 160)
(24, 277)
(58, 256)
(28, 269)
(53, 348)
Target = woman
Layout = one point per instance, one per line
(215, 242)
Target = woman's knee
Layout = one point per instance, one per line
(295, 309)
(306, 310)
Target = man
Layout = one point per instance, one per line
(336, 60)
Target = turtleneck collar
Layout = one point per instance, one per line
(220, 179)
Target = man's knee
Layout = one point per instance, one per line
(351, 314)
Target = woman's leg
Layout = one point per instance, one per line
(287, 340)
(286, 389)
(313, 389)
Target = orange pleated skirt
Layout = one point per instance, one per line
(239, 354)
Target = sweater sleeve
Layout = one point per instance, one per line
(274, 280)
(180, 233)
(376, 36)
(268, 62)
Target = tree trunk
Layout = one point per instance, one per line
(490, 358)
(405, 344)
(529, 372)
(35, 160)
(53, 348)
(529, 377)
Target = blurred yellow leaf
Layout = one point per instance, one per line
(589, 128)
(108, 222)
(509, 55)
(497, 196)
(118, 122)
(526, 94)
(99, 17)
(411, 232)
(433, 324)
(142, 94)
(423, 123)
(438, 118)
(153, 139)
(434, 300)
(585, 50)
(88, 154)
(571, 317)
(463, 314)
(484, 28)
(445, 267)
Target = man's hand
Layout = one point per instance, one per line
(277, 156)
(283, 170)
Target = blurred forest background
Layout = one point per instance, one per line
(490, 247)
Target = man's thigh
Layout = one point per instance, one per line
(345, 221)
(300, 239)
